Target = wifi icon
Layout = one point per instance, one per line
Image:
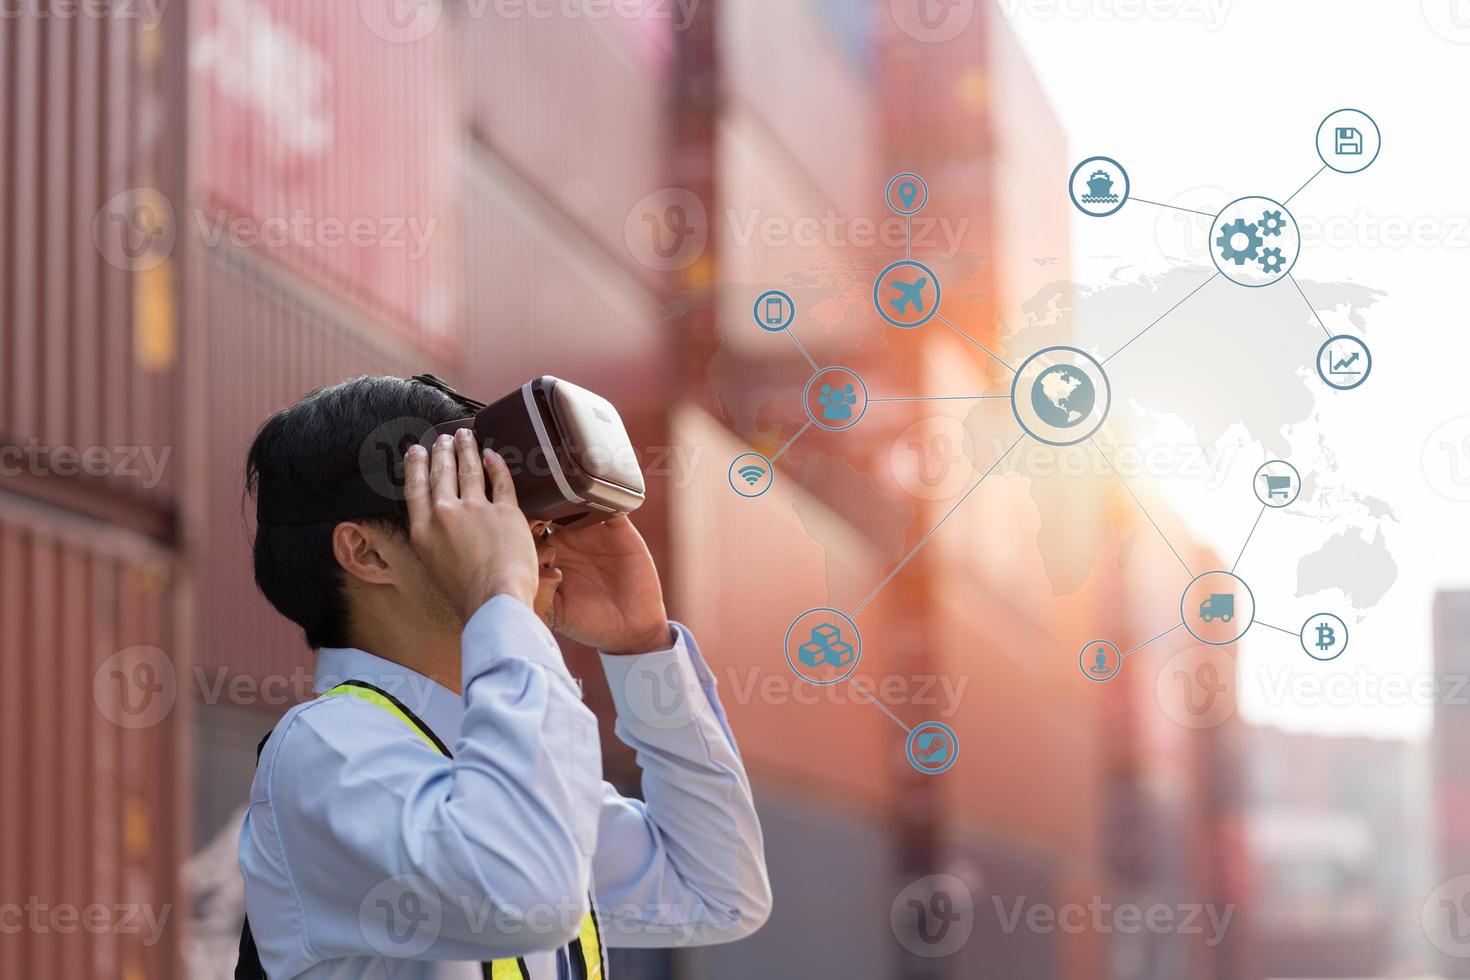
(751, 474)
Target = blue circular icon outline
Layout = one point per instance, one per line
(1286, 272)
(954, 741)
(1072, 187)
(790, 308)
(1376, 132)
(1367, 351)
(1302, 636)
(1107, 389)
(933, 307)
(806, 399)
(857, 650)
(1184, 616)
(1097, 678)
(1255, 482)
(923, 188)
(770, 468)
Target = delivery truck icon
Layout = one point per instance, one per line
(1219, 606)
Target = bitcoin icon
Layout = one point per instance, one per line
(1324, 636)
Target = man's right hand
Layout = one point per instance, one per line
(473, 546)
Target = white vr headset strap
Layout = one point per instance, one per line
(547, 448)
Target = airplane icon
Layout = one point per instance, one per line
(910, 294)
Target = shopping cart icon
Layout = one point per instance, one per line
(1277, 486)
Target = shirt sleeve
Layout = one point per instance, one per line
(391, 849)
(686, 867)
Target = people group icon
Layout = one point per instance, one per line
(837, 402)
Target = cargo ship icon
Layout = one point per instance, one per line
(1100, 189)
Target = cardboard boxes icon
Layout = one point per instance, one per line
(825, 647)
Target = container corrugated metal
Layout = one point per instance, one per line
(595, 152)
(745, 568)
(331, 141)
(272, 339)
(541, 297)
(88, 357)
(90, 751)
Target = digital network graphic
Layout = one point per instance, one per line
(1061, 396)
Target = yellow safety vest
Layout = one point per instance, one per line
(584, 952)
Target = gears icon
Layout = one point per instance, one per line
(1239, 237)
(1272, 261)
(1239, 253)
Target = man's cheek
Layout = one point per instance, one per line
(545, 595)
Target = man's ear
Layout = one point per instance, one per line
(360, 550)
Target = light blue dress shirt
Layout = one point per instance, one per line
(367, 853)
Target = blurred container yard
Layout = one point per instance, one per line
(592, 198)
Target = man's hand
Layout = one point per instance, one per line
(609, 597)
(473, 546)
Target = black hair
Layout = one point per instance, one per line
(320, 445)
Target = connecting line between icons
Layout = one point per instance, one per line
(1248, 539)
(788, 332)
(1277, 628)
(940, 398)
(1303, 295)
(1000, 360)
(1126, 654)
(1174, 207)
(1304, 186)
(790, 441)
(1165, 313)
(925, 539)
(1142, 508)
(881, 705)
(908, 236)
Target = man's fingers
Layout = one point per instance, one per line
(416, 486)
(443, 479)
(502, 487)
(471, 473)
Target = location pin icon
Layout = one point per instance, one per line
(907, 191)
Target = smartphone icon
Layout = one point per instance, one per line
(775, 310)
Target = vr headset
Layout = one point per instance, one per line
(567, 450)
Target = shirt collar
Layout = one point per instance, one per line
(434, 704)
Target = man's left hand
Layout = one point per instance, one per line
(609, 596)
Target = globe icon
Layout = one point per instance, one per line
(1063, 395)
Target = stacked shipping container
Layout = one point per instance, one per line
(496, 169)
(92, 758)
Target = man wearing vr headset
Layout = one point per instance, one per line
(439, 809)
